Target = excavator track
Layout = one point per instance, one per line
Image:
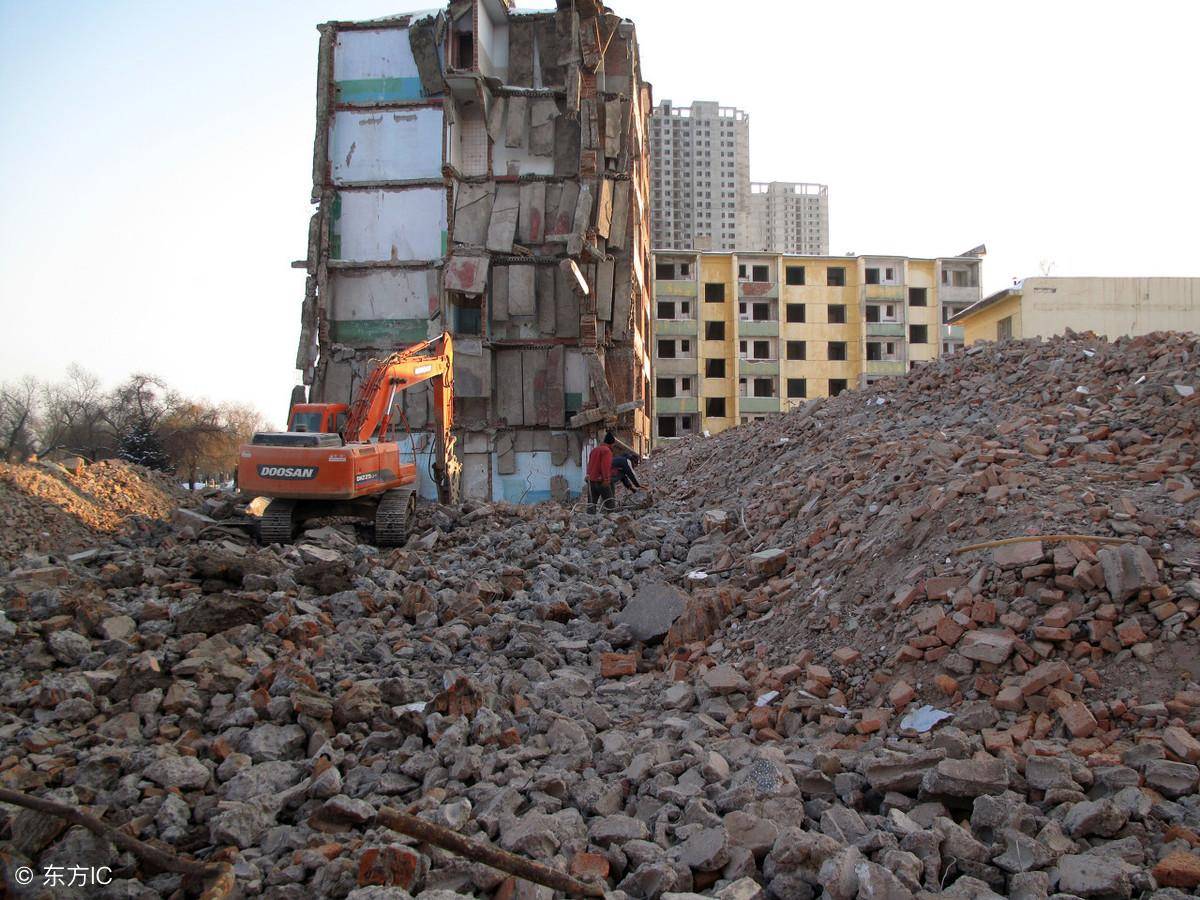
(394, 516)
(276, 525)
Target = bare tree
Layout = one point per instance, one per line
(75, 416)
(19, 418)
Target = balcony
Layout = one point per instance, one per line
(951, 294)
(758, 290)
(952, 333)
(749, 405)
(675, 288)
(885, 329)
(751, 367)
(761, 328)
(684, 365)
(675, 327)
(889, 292)
(666, 406)
(875, 367)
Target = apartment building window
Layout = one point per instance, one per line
(918, 334)
(714, 407)
(714, 331)
(714, 368)
(714, 292)
(760, 273)
(667, 308)
(764, 387)
(872, 314)
(666, 426)
(874, 350)
(665, 387)
(918, 296)
(872, 276)
(836, 386)
(666, 349)
(742, 272)
(837, 350)
(835, 276)
(797, 387)
(797, 350)
(795, 274)
(760, 350)
(1004, 329)
(837, 313)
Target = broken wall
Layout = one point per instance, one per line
(503, 198)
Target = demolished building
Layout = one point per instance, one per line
(484, 171)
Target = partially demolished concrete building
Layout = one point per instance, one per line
(484, 171)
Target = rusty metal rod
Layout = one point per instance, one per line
(477, 851)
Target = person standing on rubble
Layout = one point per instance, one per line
(599, 474)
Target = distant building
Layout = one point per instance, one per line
(700, 176)
(747, 335)
(788, 217)
(1112, 307)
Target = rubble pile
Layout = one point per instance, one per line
(49, 506)
(777, 681)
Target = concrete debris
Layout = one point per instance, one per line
(550, 681)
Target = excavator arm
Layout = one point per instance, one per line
(370, 413)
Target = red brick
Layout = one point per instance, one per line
(846, 655)
(984, 612)
(901, 694)
(1179, 869)
(393, 866)
(1078, 719)
(946, 685)
(589, 866)
(1009, 698)
(617, 665)
(819, 674)
(1130, 632)
(872, 720)
(948, 631)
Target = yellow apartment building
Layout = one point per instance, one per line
(741, 336)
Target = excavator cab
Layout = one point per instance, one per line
(319, 418)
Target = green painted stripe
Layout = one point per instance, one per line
(378, 90)
(379, 332)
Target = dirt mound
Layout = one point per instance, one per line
(50, 508)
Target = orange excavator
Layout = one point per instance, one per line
(336, 459)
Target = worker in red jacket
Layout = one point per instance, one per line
(599, 474)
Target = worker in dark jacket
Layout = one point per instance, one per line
(623, 465)
(599, 474)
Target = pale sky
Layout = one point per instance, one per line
(157, 156)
